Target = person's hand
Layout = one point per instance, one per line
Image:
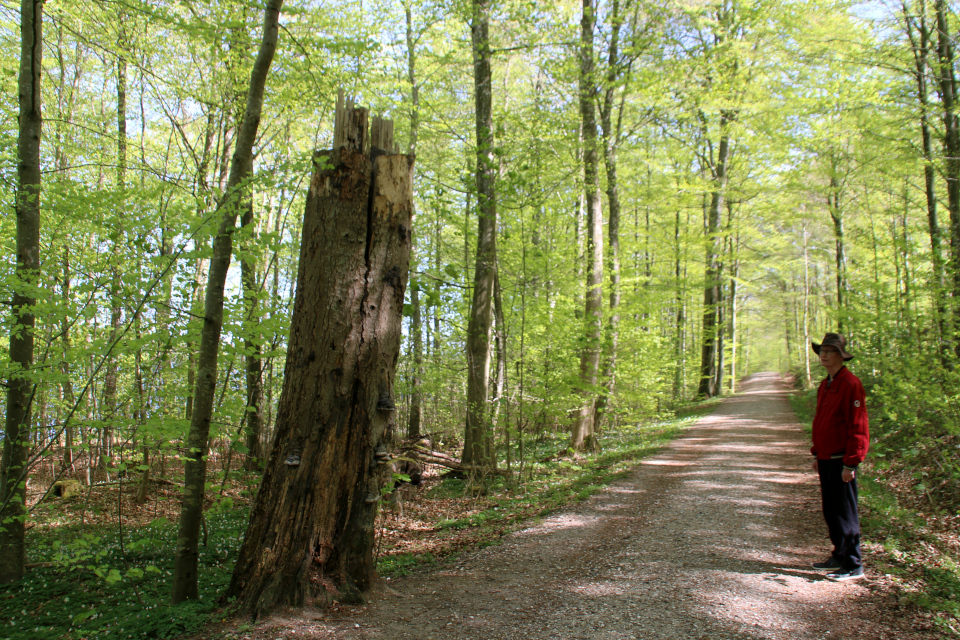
(815, 466)
(849, 474)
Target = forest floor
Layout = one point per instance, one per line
(712, 538)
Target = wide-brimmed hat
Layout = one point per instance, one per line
(834, 340)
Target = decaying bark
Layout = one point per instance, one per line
(311, 527)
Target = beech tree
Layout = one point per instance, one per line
(478, 435)
(21, 385)
(191, 512)
(583, 426)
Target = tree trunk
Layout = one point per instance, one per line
(109, 409)
(836, 214)
(416, 318)
(252, 341)
(500, 342)
(920, 40)
(611, 143)
(734, 345)
(416, 392)
(20, 390)
(711, 288)
(195, 468)
(583, 427)
(951, 143)
(478, 437)
(679, 379)
(313, 518)
(721, 333)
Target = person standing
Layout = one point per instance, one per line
(841, 438)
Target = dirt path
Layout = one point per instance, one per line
(711, 539)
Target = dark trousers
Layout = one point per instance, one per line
(840, 512)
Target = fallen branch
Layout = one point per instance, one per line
(428, 456)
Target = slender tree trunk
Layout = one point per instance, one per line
(252, 341)
(836, 214)
(312, 523)
(711, 288)
(109, 408)
(478, 440)
(680, 301)
(920, 39)
(20, 389)
(951, 143)
(721, 332)
(500, 342)
(583, 427)
(66, 384)
(416, 390)
(191, 511)
(416, 318)
(734, 310)
(611, 143)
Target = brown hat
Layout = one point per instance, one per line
(834, 340)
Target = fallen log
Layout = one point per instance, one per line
(428, 456)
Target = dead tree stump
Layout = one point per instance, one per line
(311, 528)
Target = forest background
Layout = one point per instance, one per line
(667, 196)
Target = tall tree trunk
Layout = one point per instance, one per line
(312, 521)
(416, 318)
(20, 390)
(583, 427)
(66, 384)
(109, 408)
(721, 331)
(611, 143)
(734, 310)
(478, 438)
(711, 288)
(920, 40)
(679, 379)
(195, 468)
(951, 143)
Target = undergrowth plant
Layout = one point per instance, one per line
(91, 587)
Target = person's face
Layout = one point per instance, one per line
(830, 358)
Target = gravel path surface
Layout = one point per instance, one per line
(710, 539)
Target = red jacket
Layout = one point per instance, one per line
(840, 426)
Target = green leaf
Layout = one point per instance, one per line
(84, 615)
